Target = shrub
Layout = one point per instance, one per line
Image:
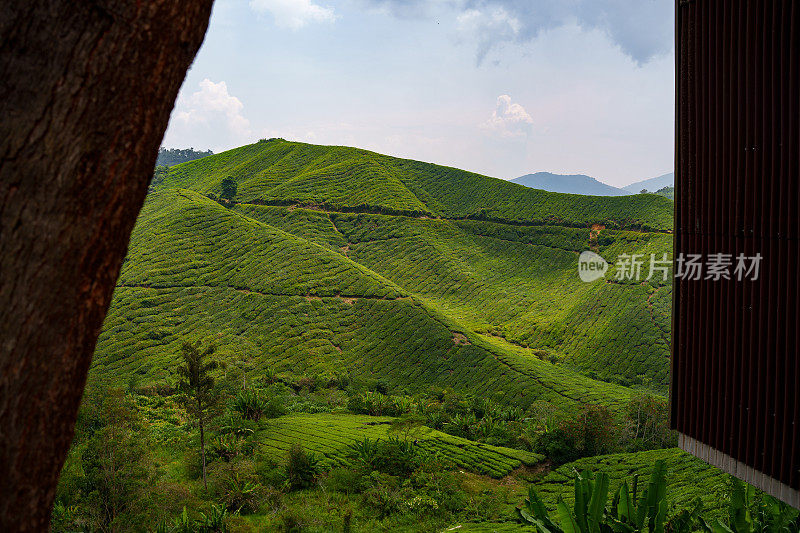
(590, 513)
(366, 452)
(397, 457)
(392, 456)
(240, 494)
(252, 405)
(557, 446)
(228, 189)
(301, 468)
(225, 447)
(346, 480)
(214, 520)
(595, 429)
(385, 495)
(237, 426)
(647, 424)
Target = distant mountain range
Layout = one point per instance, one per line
(572, 183)
(652, 184)
(582, 184)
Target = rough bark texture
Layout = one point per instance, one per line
(86, 90)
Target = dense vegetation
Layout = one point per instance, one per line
(396, 346)
(174, 156)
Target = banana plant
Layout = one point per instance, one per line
(589, 513)
(750, 513)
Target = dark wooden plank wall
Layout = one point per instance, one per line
(735, 372)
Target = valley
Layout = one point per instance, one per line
(362, 308)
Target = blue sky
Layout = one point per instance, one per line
(501, 87)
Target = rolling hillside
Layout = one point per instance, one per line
(436, 296)
(277, 300)
(354, 293)
(277, 172)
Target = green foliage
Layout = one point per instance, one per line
(748, 510)
(392, 456)
(159, 174)
(105, 484)
(196, 384)
(228, 189)
(302, 306)
(174, 156)
(329, 436)
(647, 424)
(301, 468)
(214, 520)
(252, 405)
(195, 381)
(689, 478)
(751, 512)
(240, 494)
(343, 178)
(590, 513)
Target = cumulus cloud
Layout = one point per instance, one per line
(293, 14)
(643, 29)
(508, 119)
(210, 117)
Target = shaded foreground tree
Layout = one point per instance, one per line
(86, 89)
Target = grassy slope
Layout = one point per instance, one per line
(309, 290)
(330, 435)
(688, 478)
(281, 172)
(512, 281)
(197, 269)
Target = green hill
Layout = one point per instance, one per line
(336, 276)
(330, 436)
(278, 172)
(438, 296)
(280, 301)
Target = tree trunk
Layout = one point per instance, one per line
(203, 447)
(86, 90)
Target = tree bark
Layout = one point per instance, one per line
(86, 90)
(202, 444)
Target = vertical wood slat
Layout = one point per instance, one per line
(735, 395)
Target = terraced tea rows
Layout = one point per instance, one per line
(514, 281)
(349, 179)
(688, 478)
(198, 270)
(330, 435)
(478, 306)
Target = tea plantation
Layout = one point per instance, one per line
(331, 435)
(280, 301)
(279, 172)
(349, 293)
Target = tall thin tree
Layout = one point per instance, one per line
(197, 385)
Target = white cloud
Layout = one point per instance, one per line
(293, 14)
(487, 27)
(209, 117)
(643, 29)
(509, 119)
